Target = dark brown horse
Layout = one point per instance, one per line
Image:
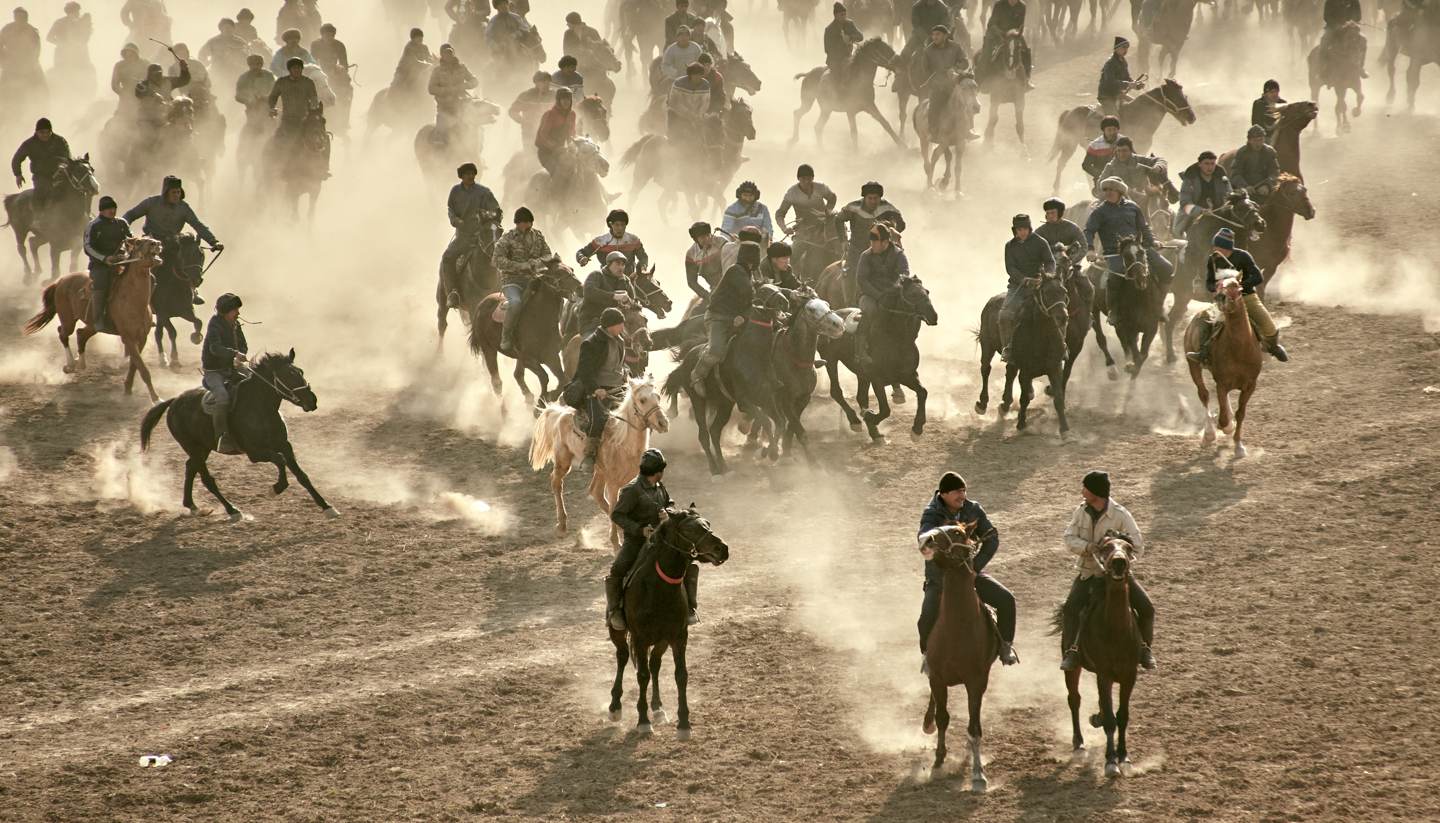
(537, 331)
(1289, 199)
(1340, 68)
(656, 611)
(855, 96)
(963, 645)
(1142, 118)
(1294, 118)
(1109, 647)
(1240, 215)
(1040, 347)
(478, 278)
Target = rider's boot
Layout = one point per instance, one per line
(99, 310)
(507, 332)
(592, 450)
(1272, 345)
(223, 443)
(1070, 640)
(692, 583)
(195, 297)
(1007, 653)
(1007, 339)
(862, 344)
(1147, 639)
(613, 615)
(699, 377)
(1202, 356)
(448, 276)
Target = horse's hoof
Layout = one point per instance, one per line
(644, 728)
(856, 427)
(659, 717)
(238, 516)
(916, 434)
(614, 715)
(1240, 450)
(682, 734)
(278, 489)
(332, 513)
(1112, 769)
(192, 511)
(928, 727)
(560, 529)
(1132, 369)
(1004, 409)
(68, 369)
(979, 786)
(1170, 358)
(1111, 373)
(1126, 768)
(898, 398)
(196, 338)
(981, 407)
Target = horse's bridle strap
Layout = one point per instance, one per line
(674, 581)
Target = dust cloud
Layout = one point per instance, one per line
(122, 478)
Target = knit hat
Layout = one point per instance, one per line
(1223, 239)
(1020, 221)
(1255, 131)
(1120, 42)
(837, 8)
(652, 462)
(616, 255)
(107, 202)
(43, 124)
(1113, 184)
(751, 233)
(949, 482)
(1097, 483)
(524, 215)
(291, 35)
(611, 317)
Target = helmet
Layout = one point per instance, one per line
(227, 302)
(617, 215)
(747, 186)
(872, 188)
(616, 255)
(652, 462)
(1056, 204)
(778, 249)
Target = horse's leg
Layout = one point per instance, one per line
(1197, 376)
(289, 452)
(874, 419)
(806, 102)
(1142, 352)
(82, 338)
(874, 112)
(137, 363)
(1412, 82)
(1057, 395)
(1020, 116)
(192, 468)
(717, 428)
(160, 341)
(282, 482)
(820, 125)
(174, 352)
(622, 656)
(1245, 392)
(214, 489)
(1072, 691)
(682, 679)
(854, 130)
(992, 119)
(913, 381)
(976, 693)
(939, 695)
(832, 370)
(1007, 397)
(492, 366)
(657, 657)
(519, 375)
(642, 679)
(1027, 393)
(1172, 319)
(1122, 720)
(1107, 720)
(1099, 328)
(557, 486)
(986, 355)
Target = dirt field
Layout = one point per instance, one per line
(438, 653)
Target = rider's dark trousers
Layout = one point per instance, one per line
(629, 550)
(598, 416)
(991, 594)
(1080, 594)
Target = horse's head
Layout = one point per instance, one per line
(642, 405)
(1053, 299)
(142, 250)
(79, 175)
(685, 531)
(876, 51)
(603, 57)
(1172, 97)
(650, 295)
(594, 117)
(559, 279)
(1078, 288)
(1115, 555)
(741, 75)
(589, 158)
(915, 300)
(279, 372)
(182, 114)
(1228, 285)
(1291, 192)
(479, 111)
(818, 314)
(772, 299)
(954, 546)
(1298, 115)
(190, 258)
(739, 121)
(1240, 209)
(1132, 257)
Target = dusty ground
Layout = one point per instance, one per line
(423, 658)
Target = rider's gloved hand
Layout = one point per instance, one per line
(218, 247)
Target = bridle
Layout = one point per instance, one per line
(645, 418)
(1111, 545)
(647, 290)
(912, 307)
(279, 387)
(1163, 100)
(970, 543)
(690, 551)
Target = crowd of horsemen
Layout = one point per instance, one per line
(724, 265)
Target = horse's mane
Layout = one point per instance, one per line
(1286, 178)
(271, 360)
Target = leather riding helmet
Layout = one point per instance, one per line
(778, 249)
(652, 462)
(1055, 203)
(616, 255)
(227, 302)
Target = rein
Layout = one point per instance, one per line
(278, 387)
(1163, 101)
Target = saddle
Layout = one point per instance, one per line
(207, 400)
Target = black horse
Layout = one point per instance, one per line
(792, 360)
(656, 611)
(478, 278)
(61, 223)
(255, 425)
(894, 356)
(1039, 349)
(1134, 300)
(172, 297)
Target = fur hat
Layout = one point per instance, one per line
(872, 187)
(749, 254)
(1020, 221)
(949, 482)
(1097, 483)
(652, 462)
(1113, 184)
(611, 317)
(573, 18)
(699, 230)
(227, 302)
(778, 249)
(524, 215)
(1054, 203)
(43, 124)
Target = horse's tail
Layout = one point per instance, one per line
(632, 154)
(1057, 620)
(10, 200)
(477, 334)
(152, 417)
(545, 435)
(41, 320)
(678, 379)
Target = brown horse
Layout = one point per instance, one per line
(130, 315)
(952, 134)
(1294, 118)
(1235, 359)
(1142, 118)
(1340, 68)
(963, 645)
(1273, 248)
(1109, 647)
(537, 331)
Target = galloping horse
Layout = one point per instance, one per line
(656, 158)
(642, 30)
(656, 612)
(555, 440)
(478, 279)
(1142, 118)
(573, 198)
(1420, 42)
(175, 283)
(1290, 198)
(69, 298)
(537, 330)
(1303, 20)
(792, 361)
(1109, 647)
(1134, 300)
(1001, 73)
(1235, 360)
(255, 425)
(1294, 117)
(857, 94)
(61, 223)
(963, 645)
(1039, 347)
(1169, 29)
(1339, 69)
(438, 155)
(1240, 215)
(956, 125)
(648, 295)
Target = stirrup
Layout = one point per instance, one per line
(1147, 658)
(1195, 357)
(692, 618)
(616, 620)
(1071, 660)
(1007, 653)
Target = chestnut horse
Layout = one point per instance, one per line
(1109, 647)
(537, 331)
(1273, 248)
(963, 645)
(130, 315)
(1235, 359)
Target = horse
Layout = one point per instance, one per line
(1235, 361)
(894, 357)
(818, 240)
(398, 106)
(1419, 41)
(69, 298)
(256, 425)
(174, 148)
(573, 198)
(1109, 640)
(478, 279)
(1133, 300)
(439, 153)
(659, 159)
(512, 62)
(1142, 117)
(176, 280)
(1001, 74)
(537, 330)
(963, 645)
(1168, 30)
(61, 224)
(656, 610)
(1294, 117)
(648, 295)
(1290, 198)
(1303, 21)
(957, 124)
(1339, 68)
(642, 30)
(300, 161)
(793, 361)
(1040, 347)
(592, 120)
(601, 62)
(857, 95)
(1240, 215)
(796, 17)
(556, 441)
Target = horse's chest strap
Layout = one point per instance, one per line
(674, 581)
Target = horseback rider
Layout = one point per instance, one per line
(681, 19)
(879, 271)
(104, 237)
(1093, 519)
(45, 150)
(686, 106)
(520, 254)
(702, 261)
(1204, 187)
(245, 26)
(503, 31)
(225, 53)
(1264, 112)
(1224, 257)
(1115, 79)
(568, 77)
(617, 239)
(747, 210)
(1256, 166)
(166, 215)
(154, 94)
(731, 248)
(840, 38)
(298, 15)
(252, 90)
(925, 15)
(222, 354)
(297, 97)
(606, 287)
(1336, 14)
(200, 90)
(599, 377)
(1007, 19)
(934, 70)
(556, 130)
(470, 206)
(1101, 149)
(949, 507)
(727, 310)
(334, 59)
(1027, 257)
(413, 58)
(530, 105)
(289, 51)
(719, 98)
(700, 34)
(1135, 170)
(1056, 229)
(861, 214)
(813, 203)
(637, 512)
(20, 70)
(450, 85)
(776, 269)
(676, 61)
(128, 73)
(1118, 216)
(581, 40)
